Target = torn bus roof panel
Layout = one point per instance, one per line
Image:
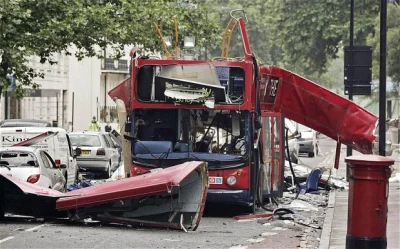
(200, 73)
(173, 197)
(156, 182)
(23, 198)
(17, 186)
(121, 92)
(168, 198)
(309, 104)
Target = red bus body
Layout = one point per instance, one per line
(268, 95)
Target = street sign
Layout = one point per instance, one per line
(358, 70)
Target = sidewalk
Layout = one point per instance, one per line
(335, 224)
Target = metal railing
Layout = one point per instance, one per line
(108, 114)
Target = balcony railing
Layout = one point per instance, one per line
(115, 65)
(108, 114)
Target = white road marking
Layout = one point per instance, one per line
(27, 230)
(279, 229)
(5, 239)
(258, 240)
(238, 247)
(173, 240)
(247, 220)
(266, 234)
(34, 228)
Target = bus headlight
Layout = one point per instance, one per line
(231, 180)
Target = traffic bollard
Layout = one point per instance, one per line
(368, 196)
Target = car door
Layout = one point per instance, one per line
(111, 151)
(72, 167)
(52, 172)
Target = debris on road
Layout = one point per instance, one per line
(253, 216)
(80, 183)
(167, 198)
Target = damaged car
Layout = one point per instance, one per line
(32, 165)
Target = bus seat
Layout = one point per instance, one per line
(312, 181)
(152, 147)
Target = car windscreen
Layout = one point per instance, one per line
(85, 140)
(18, 159)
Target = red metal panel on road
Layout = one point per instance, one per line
(29, 188)
(143, 185)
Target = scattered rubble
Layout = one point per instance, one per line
(303, 212)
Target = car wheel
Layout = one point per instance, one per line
(108, 170)
(310, 154)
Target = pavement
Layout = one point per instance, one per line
(334, 230)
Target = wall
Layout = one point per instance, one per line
(84, 84)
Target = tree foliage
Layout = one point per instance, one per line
(46, 27)
(302, 36)
(255, 12)
(311, 33)
(393, 44)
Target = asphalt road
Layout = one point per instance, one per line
(215, 230)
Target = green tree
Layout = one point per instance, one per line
(257, 28)
(393, 44)
(310, 33)
(46, 27)
(392, 55)
(305, 37)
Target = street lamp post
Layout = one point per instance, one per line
(350, 74)
(382, 79)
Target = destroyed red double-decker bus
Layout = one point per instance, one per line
(228, 112)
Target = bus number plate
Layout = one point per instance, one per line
(215, 180)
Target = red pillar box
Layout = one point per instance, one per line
(368, 196)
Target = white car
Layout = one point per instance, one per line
(32, 165)
(57, 146)
(99, 152)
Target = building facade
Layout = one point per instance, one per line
(72, 92)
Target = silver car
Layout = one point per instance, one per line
(98, 151)
(306, 144)
(32, 165)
